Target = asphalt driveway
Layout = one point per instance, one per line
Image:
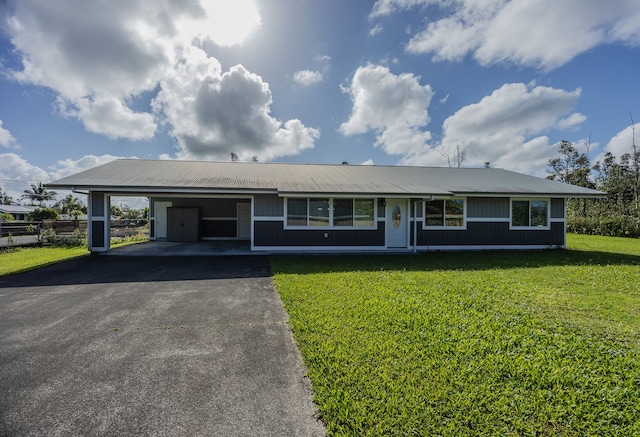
(150, 346)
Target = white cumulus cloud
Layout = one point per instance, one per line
(622, 142)
(385, 7)
(67, 167)
(310, 77)
(99, 50)
(392, 106)
(17, 174)
(102, 57)
(307, 77)
(109, 116)
(507, 128)
(213, 113)
(6, 139)
(544, 33)
(13, 167)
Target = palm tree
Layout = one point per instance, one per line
(38, 193)
(5, 199)
(68, 204)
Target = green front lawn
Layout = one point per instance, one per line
(490, 343)
(22, 259)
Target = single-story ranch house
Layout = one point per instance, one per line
(330, 208)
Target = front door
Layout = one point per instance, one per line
(397, 219)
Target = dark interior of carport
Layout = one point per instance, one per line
(195, 219)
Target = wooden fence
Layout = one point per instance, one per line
(60, 227)
(63, 227)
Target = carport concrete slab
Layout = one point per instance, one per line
(150, 346)
(173, 248)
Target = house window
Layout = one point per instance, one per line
(327, 212)
(444, 213)
(318, 212)
(296, 212)
(530, 214)
(342, 212)
(364, 212)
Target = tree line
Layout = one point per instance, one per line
(618, 214)
(37, 196)
(69, 205)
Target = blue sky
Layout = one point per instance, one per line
(387, 82)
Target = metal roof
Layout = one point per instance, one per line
(17, 209)
(149, 176)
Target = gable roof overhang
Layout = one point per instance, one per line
(158, 177)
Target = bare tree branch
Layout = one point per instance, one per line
(456, 158)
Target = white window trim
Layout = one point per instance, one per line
(331, 208)
(530, 228)
(443, 227)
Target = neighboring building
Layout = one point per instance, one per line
(79, 217)
(332, 208)
(18, 212)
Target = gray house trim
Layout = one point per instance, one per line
(213, 191)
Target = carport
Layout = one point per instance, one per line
(220, 223)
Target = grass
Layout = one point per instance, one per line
(492, 343)
(22, 259)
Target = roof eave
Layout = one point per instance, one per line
(598, 195)
(143, 190)
(361, 194)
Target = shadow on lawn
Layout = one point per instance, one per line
(105, 270)
(485, 260)
(98, 269)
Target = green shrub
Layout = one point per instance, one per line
(613, 226)
(77, 239)
(48, 237)
(43, 214)
(128, 239)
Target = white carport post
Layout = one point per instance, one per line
(99, 221)
(415, 225)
